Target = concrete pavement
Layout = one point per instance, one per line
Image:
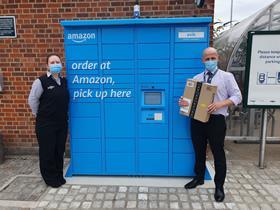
(246, 187)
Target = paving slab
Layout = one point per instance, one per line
(246, 187)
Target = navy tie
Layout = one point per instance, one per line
(210, 76)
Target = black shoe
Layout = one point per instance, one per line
(194, 183)
(219, 194)
(54, 185)
(62, 181)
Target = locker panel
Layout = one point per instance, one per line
(153, 145)
(116, 128)
(181, 123)
(120, 163)
(118, 51)
(86, 163)
(153, 64)
(188, 63)
(86, 52)
(183, 164)
(153, 51)
(123, 145)
(153, 130)
(153, 163)
(85, 109)
(182, 145)
(81, 126)
(117, 35)
(153, 34)
(86, 145)
(189, 50)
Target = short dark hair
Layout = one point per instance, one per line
(52, 54)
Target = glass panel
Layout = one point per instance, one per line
(262, 22)
(152, 98)
(242, 121)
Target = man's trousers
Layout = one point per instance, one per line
(214, 132)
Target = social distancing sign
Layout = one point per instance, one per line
(262, 80)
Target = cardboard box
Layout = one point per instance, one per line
(199, 95)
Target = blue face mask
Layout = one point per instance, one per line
(211, 65)
(55, 68)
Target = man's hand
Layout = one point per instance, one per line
(182, 102)
(215, 106)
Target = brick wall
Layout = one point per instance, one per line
(39, 32)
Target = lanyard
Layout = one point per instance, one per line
(210, 79)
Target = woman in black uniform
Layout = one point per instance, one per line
(49, 99)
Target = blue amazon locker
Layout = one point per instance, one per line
(125, 78)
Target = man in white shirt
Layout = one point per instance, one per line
(213, 131)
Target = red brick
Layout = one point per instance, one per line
(39, 33)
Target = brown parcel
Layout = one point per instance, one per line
(199, 95)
